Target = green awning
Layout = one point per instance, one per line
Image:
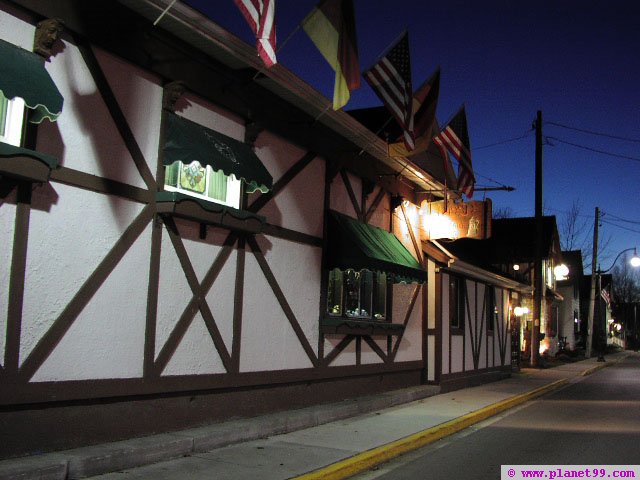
(353, 244)
(188, 141)
(23, 75)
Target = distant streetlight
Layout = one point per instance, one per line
(634, 262)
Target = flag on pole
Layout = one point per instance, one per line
(332, 28)
(455, 138)
(390, 78)
(260, 14)
(425, 101)
(606, 297)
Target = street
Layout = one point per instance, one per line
(594, 421)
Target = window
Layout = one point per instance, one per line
(357, 294)
(457, 302)
(203, 182)
(11, 120)
(491, 308)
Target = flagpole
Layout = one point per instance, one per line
(376, 134)
(322, 113)
(164, 12)
(280, 47)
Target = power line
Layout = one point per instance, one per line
(502, 142)
(619, 226)
(566, 212)
(627, 157)
(620, 219)
(591, 132)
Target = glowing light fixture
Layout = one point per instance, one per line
(561, 271)
(520, 311)
(516, 267)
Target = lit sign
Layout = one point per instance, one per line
(460, 220)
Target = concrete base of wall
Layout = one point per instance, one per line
(457, 381)
(29, 429)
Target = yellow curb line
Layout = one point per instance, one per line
(365, 460)
(595, 368)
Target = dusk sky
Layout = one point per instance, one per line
(575, 60)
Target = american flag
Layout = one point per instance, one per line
(606, 297)
(390, 78)
(260, 14)
(455, 138)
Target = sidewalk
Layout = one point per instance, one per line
(353, 440)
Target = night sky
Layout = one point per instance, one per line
(575, 60)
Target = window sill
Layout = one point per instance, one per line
(25, 164)
(359, 327)
(210, 213)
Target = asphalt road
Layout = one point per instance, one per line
(595, 421)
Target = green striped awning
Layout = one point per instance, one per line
(353, 244)
(187, 141)
(23, 75)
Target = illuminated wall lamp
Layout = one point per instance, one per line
(520, 311)
(561, 272)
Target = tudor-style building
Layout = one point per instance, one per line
(511, 252)
(195, 238)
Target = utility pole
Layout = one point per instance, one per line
(592, 295)
(537, 264)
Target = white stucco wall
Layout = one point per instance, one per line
(211, 116)
(107, 338)
(368, 356)
(411, 343)
(299, 205)
(268, 339)
(66, 244)
(456, 353)
(15, 30)
(85, 136)
(346, 357)
(340, 200)
(382, 214)
(196, 353)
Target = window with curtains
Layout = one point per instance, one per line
(12, 119)
(203, 182)
(457, 302)
(358, 294)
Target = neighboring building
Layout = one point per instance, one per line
(601, 309)
(510, 252)
(628, 315)
(570, 319)
(477, 311)
(197, 238)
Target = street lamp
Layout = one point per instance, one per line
(634, 262)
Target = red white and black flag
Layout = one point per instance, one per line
(390, 78)
(455, 138)
(260, 14)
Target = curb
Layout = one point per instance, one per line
(370, 458)
(602, 365)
